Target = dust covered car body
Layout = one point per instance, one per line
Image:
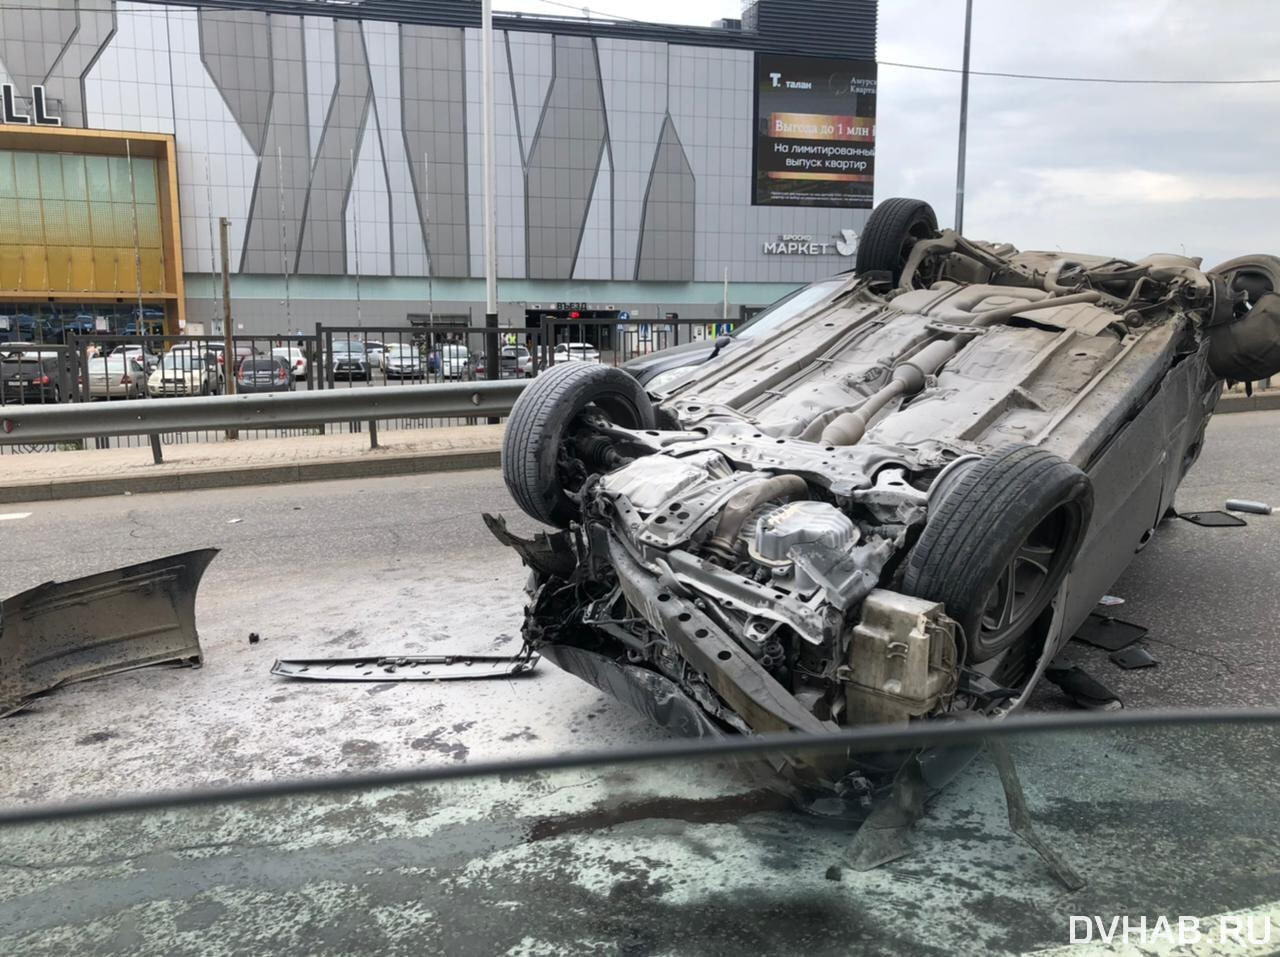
(896, 502)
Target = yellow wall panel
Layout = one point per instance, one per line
(34, 269)
(10, 266)
(82, 268)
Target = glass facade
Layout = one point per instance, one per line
(73, 223)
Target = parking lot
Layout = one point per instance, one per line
(404, 565)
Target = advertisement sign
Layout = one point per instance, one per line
(815, 141)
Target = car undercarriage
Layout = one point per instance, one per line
(895, 504)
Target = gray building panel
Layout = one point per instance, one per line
(275, 218)
(30, 51)
(320, 66)
(322, 249)
(434, 123)
(563, 161)
(667, 227)
(236, 49)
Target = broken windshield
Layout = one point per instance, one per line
(1124, 825)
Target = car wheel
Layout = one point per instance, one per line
(543, 418)
(997, 547)
(892, 229)
(204, 388)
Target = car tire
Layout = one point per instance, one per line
(892, 229)
(997, 547)
(540, 422)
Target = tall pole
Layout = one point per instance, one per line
(229, 352)
(490, 228)
(284, 256)
(964, 117)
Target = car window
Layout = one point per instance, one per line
(687, 846)
(183, 362)
(787, 308)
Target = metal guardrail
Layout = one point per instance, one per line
(67, 422)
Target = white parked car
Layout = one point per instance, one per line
(454, 360)
(376, 351)
(295, 357)
(576, 352)
(181, 373)
(139, 354)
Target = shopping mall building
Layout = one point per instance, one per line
(641, 168)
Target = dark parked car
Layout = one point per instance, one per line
(351, 361)
(898, 501)
(264, 374)
(29, 378)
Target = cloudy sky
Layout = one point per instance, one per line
(1088, 167)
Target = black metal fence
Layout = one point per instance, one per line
(110, 367)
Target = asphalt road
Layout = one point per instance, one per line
(404, 565)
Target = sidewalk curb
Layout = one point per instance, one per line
(1238, 402)
(365, 466)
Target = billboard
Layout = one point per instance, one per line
(815, 140)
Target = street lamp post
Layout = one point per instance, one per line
(490, 229)
(964, 118)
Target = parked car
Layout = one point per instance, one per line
(516, 361)
(375, 351)
(210, 355)
(183, 373)
(30, 377)
(404, 362)
(264, 374)
(453, 361)
(82, 324)
(242, 351)
(899, 502)
(576, 352)
(296, 359)
(350, 361)
(28, 328)
(117, 376)
(147, 358)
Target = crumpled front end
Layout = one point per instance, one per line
(717, 598)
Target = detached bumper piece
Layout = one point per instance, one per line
(406, 667)
(131, 617)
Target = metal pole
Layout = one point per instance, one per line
(284, 256)
(964, 117)
(228, 349)
(356, 236)
(490, 180)
(137, 253)
(213, 266)
(431, 269)
(725, 315)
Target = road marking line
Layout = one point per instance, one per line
(11, 516)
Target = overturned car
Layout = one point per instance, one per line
(891, 497)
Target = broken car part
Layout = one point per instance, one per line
(1135, 656)
(893, 499)
(1255, 508)
(1213, 519)
(1108, 633)
(406, 667)
(130, 617)
(1083, 689)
